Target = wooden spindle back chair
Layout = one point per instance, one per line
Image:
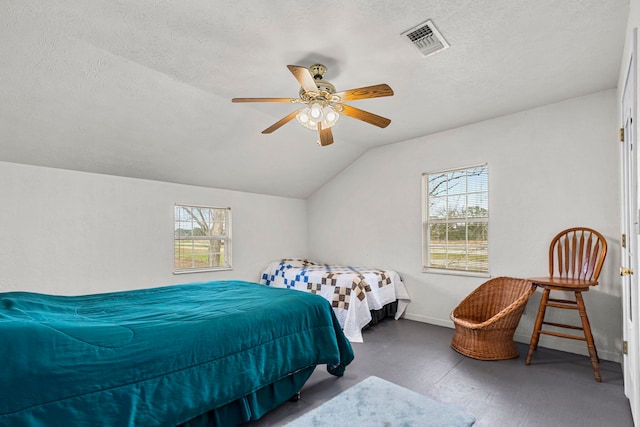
(576, 256)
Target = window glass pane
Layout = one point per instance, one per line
(456, 233)
(437, 245)
(218, 223)
(183, 226)
(184, 254)
(438, 208)
(457, 182)
(437, 184)
(216, 253)
(478, 246)
(478, 205)
(457, 206)
(478, 231)
(478, 180)
(202, 253)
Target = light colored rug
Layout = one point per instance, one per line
(376, 402)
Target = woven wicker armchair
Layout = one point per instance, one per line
(487, 318)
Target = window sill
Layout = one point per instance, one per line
(455, 272)
(202, 270)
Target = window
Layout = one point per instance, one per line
(202, 238)
(456, 220)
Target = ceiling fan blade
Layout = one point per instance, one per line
(281, 122)
(326, 136)
(304, 77)
(375, 91)
(263, 99)
(365, 116)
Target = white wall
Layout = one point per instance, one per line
(553, 167)
(67, 232)
(550, 168)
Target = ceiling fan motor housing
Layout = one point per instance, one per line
(325, 89)
(318, 71)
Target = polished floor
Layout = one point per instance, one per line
(556, 390)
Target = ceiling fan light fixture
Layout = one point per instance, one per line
(315, 111)
(303, 116)
(331, 116)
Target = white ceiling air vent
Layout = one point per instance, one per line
(426, 38)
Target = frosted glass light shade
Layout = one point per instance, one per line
(331, 116)
(315, 113)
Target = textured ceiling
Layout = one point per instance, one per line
(143, 88)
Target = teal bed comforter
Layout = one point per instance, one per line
(215, 353)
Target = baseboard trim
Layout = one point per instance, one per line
(431, 320)
(569, 346)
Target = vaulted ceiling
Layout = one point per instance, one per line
(143, 88)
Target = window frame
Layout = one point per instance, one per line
(225, 238)
(427, 266)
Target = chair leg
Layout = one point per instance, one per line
(535, 337)
(591, 346)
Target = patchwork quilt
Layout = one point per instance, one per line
(353, 291)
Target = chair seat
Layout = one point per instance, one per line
(563, 283)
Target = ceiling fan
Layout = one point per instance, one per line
(323, 105)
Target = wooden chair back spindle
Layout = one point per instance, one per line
(577, 253)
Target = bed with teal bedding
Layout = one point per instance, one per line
(215, 353)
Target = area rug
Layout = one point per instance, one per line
(376, 402)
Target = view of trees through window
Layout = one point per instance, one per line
(201, 238)
(456, 219)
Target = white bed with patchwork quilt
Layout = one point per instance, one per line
(354, 292)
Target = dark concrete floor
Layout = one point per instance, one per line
(557, 389)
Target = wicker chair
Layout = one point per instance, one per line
(487, 318)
